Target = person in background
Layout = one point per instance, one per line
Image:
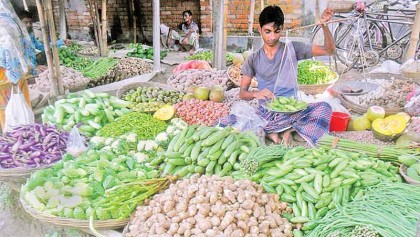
(40, 58)
(187, 33)
(266, 65)
(16, 52)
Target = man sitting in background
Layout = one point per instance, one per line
(187, 35)
(26, 18)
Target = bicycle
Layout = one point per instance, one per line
(365, 37)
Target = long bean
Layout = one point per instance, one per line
(390, 209)
(389, 153)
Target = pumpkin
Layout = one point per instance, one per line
(165, 113)
(389, 128)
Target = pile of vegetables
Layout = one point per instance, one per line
(31, 146)
(196, 111)
(388, 209)
(140, 52)
(389, 94)
(92, 50)
(146, 99)
(285, 104)
(144, 125)
(314, 181)
(90, 110)
(362, 137)
(206, 150)
(232, 96)
(207, 78)
(207, 56)
(70, 78)
(389, 153)
(211, 206)
(69, 59)
(83, 187)
(100, 68)
(311, 72)
(133, 67)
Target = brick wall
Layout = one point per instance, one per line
(78, 18)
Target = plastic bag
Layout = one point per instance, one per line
(17, 111)
(286, 81)
(248, 119)
(388, 66)
(76, 143)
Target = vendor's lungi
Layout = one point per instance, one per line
(311, 124)
(192, 39)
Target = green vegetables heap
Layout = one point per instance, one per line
(76, 188)
(208, 56)
(391, 209)
(100, 68)
(284, 104)
(206, 150)
(144, 125)
(311, 72)
(314, 181)
(70, 59)
(90, 110)
(149, 99)
(140, 52)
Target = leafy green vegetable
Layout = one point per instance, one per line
(311, 72)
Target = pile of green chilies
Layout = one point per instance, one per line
(388, 153)
(392, 209)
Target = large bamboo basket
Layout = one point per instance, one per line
(15, 177)
(74, 223)
(358, 109)
(135, 85)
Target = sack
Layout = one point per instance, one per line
(76, 143)
(248, 119)
(17, 111)
(193, 64)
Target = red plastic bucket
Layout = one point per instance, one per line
(339, 122)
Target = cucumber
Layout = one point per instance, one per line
(299, 219)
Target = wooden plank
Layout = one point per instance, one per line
(251, 23)
(63, 26)
(54, 88)
(104, 29)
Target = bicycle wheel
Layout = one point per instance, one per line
(348, 42)
(317, 36)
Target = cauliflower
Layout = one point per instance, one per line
(131, 137)
(141, 157)
(109, 141)
(171, 129)
(97, 141)
(106, 148)
(161, 137)
(115, 144)
(150, 145)
(140, 145)
(179, 123)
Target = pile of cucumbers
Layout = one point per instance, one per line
(285, 104)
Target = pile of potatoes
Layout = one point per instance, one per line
(211, 206)
(70, 78)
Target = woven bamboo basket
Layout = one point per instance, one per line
(362, 109)
(316, 89)
(237, 81)
(74, 223)
(15, 177)
(403, 172)
(135, 85)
